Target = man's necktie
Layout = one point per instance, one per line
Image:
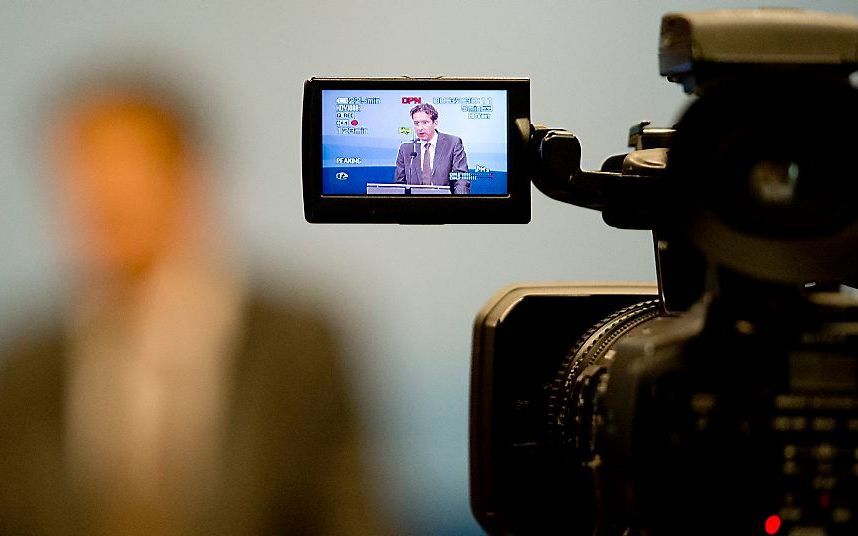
(426, 172)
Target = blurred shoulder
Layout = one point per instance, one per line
(287, 342)
(280, 321)
(32, 363)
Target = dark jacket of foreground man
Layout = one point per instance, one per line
(290, 459)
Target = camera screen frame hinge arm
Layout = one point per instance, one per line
(626, 197)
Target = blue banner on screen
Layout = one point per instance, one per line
(399, 142)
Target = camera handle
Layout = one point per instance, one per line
(626, 192)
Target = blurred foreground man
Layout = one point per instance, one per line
(170, 399)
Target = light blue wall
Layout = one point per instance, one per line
(406, 295)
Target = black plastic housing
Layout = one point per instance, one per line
(511, 208)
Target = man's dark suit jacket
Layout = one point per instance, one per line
(449, 157)
(291, 462)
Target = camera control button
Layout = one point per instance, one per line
(791, 514)
(791, 469)
(824, 424)
(788, 402)
(841, 515)
(824, 452)
(824, 482)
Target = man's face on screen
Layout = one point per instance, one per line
(424, 125)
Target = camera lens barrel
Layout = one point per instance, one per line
(572, 400)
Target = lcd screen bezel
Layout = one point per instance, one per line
(514, 207)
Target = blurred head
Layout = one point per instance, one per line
(123, 160)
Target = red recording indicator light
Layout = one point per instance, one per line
(773, 525)
(354, 122)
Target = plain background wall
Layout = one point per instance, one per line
(405, 297)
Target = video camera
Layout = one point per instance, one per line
(724, 398)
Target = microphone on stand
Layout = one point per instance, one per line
(411, 163)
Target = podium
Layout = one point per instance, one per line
(395, 188)
(385, 188)
(428, 189)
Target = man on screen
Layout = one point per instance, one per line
(433, 155)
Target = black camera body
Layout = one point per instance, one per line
(724, 399)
